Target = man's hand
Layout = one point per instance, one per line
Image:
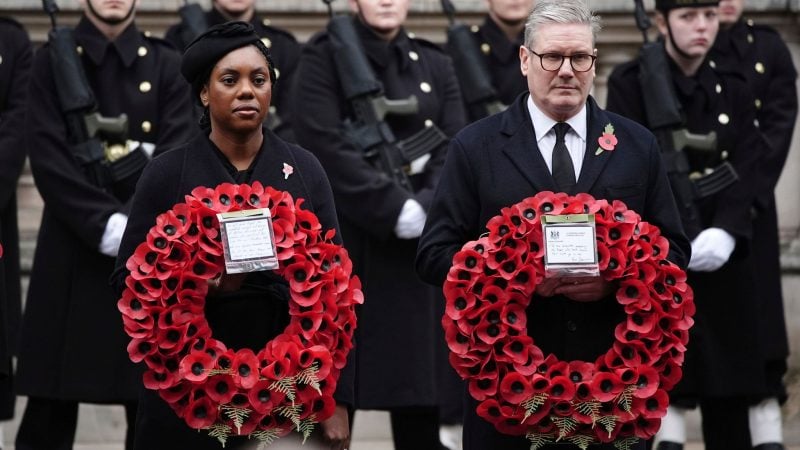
(711, 249)
(584, 289)
(336, 430)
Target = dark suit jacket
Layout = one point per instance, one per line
(495, 163)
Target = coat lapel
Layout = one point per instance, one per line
(592, 163)
(522, 149)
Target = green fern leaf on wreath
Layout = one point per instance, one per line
(625, 399)
(608, 422)
(539, 440)
(581, 440)
(565, 425)
(221, 432)
(626, 443)
(266, 437)
(309, 377)
(285, 386)
(590, 408)
(306, 427)
(532, 404)
(237, 415)
(292, 413)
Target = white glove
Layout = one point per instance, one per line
(411, 220)
(112, 236)
(148, 147)
(711, 250)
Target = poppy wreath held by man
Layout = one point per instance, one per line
(288, 384)
(622, 395)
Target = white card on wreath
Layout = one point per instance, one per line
(570, 245)
(248, 241)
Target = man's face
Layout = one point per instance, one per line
(693, 29)
(234, 8)
(111, 11)
(384, 16)
(730, 11)
(560, 94)
(510, 12)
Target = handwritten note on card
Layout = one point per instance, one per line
(570, 244)
(248, 239)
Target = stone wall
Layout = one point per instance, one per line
(618, 42)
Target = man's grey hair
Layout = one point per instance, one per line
(560, 11)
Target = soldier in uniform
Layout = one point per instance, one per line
(285, 50)
(723, 366)
(398, 361)
(761, 55)
(499, 39)
(73, 345)
(16, 56)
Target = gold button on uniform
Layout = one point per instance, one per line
(712, 64)
(750, 22)
(141, 51)
(411, 35)
(428, 123)
(147, 33)
(760, 67)
(758, 103)
(749, 38)
(475, 28)
(1, 59)
(486, 48)
(425, 87)
(277, 74)
(267, 42)
(145, 86)
(266, 22)
(147, 126)
(724, 154)
(79, 49)
(718, 88)
(723, 119)
(413, 55)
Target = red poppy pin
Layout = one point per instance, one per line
(288, 170)
(608, 141)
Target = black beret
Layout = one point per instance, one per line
(666, 5)
(207, 49)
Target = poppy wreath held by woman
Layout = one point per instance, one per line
(621, 396)
(286, 385)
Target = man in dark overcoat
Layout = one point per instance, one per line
(399, 335)
(285, 53)
(16, 56)
(505, 158)
(724, 366)
(499, 38)
(761, 55)
(73, 347)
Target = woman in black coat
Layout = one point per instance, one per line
(231, 73)
(400, 346)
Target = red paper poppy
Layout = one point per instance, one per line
(163, 311)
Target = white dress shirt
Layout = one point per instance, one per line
(546, 136)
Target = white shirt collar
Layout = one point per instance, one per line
(542, 124)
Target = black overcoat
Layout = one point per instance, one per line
(164, 183)
(762, 56)
(400, 319)
(16, 57)
(73, 346)
(285, 51)
(501, 57)
(495, 163)
(723, 357)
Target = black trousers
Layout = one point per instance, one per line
(725, 423)
(49, 424)
(415, 428)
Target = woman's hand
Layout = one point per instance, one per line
(226, 282)
(336, 429)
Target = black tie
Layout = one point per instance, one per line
(563, 171)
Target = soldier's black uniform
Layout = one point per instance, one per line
(722, 363)
(399, 323)
(73, 347)
(502, 59)
(285, 52)
(761, 55)
(16, 56)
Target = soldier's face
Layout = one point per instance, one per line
(693, 30)
(238, 92)
(384, 16)
(111, 11)
(560, 94)
(730, 11)
(510, 12)
(234, 8)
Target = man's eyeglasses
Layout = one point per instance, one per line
(552, 62)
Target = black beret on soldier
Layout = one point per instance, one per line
(666, 5)
(207, 49)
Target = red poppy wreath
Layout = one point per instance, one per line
(286, 385)
(618, 398)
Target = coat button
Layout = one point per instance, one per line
(413, 55)
(411, 35)
(749, 38)
(79, 49)
(475, 28)
(572, 326)
(147, 33)
(145, 86)
(486, 48)
(267, 42)
(428, 123)
(266, 22)
(724, 119)
(1, 59)
(425, 87)
(712, 64)
(758, 103)
(277, 74)
(142, 51)
(760, 67)
(147, 126)
(724, 154)
(718, 88)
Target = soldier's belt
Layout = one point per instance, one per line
(717, 180)
(107, 165)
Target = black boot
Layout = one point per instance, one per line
(770, 446)
(667, 445)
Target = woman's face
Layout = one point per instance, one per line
(239, 91)
(385, 17)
